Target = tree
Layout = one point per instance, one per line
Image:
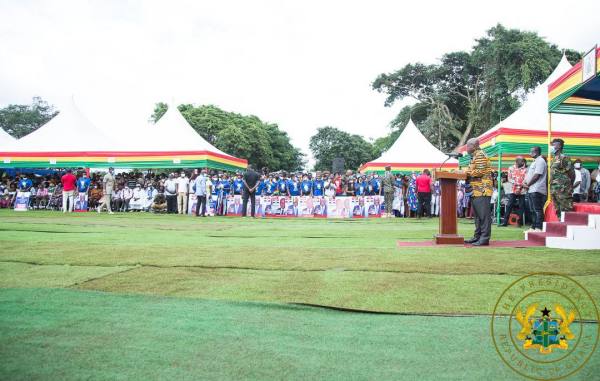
(21, 120)
(466, 93)
(246, 136)
(330, 143)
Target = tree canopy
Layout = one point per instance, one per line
(330, 143)
(20, 120)
(245, 136)
(467, 93)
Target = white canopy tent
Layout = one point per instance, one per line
(172, 133)
(410, 152)
(5, 138)
(69, 131)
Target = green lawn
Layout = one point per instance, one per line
(230, 269)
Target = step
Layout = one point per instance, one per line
(578, 237)
(540, 237)
(559, 228)
(587, 207)
(575, 218)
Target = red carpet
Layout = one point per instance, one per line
(430, 243)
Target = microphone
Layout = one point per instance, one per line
(450, 155)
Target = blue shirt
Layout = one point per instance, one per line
(306, 187)
(25, 184)
(376, 184)
(83, 184)
(318, 188)
(294, 187)
(260, 188)
(226, 186)
(270, 187)
(282, 186)
(361, 188)
(238, 185)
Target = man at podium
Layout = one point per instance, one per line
(479, 175)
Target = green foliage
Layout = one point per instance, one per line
(467, 93)
(245, 136)
(21, 120)
(330, 143)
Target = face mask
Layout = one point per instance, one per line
(577, 165)
(553, 150)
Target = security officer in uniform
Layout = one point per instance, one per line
(479, 175)
(562, 175)
(388, 191)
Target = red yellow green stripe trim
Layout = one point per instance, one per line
(123, 159)
(404, 167)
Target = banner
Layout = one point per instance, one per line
(81, 202)
(301, 206)
(211, 204)
(22, 201)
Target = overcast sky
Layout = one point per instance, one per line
(301, 64)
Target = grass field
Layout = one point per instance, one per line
(139, 296)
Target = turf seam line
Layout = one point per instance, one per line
(99, 277)
(139, 265)
(436, 314)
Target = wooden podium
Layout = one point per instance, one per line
(448, 227)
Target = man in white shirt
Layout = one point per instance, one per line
(171, 194)
(200, 189)
(183, 184)
(535, 183)
(581, 185)
(137, 201)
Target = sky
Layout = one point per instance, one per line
(301, 64)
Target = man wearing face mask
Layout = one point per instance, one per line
(516, 177)
(536, 184)
(582, 183)
(596, 183)
(183, 185)
(562, 177)
(108, 185)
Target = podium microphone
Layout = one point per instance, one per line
(451, 155)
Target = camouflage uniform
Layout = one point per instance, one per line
(388, 191)
(561, 183)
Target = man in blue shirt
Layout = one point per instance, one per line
(270, 186)
(294, 186)
(25, 184)
(318, 187)
(238, 184)
(306, 186)
(282, 185)
(361, 186)
(225, 184)
(83, 184)
(376, 185)
(261, 186)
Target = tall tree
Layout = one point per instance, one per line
(21, 120)
(330, 143)
(246, 136)
(468, 92)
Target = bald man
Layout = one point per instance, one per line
(479, 175)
